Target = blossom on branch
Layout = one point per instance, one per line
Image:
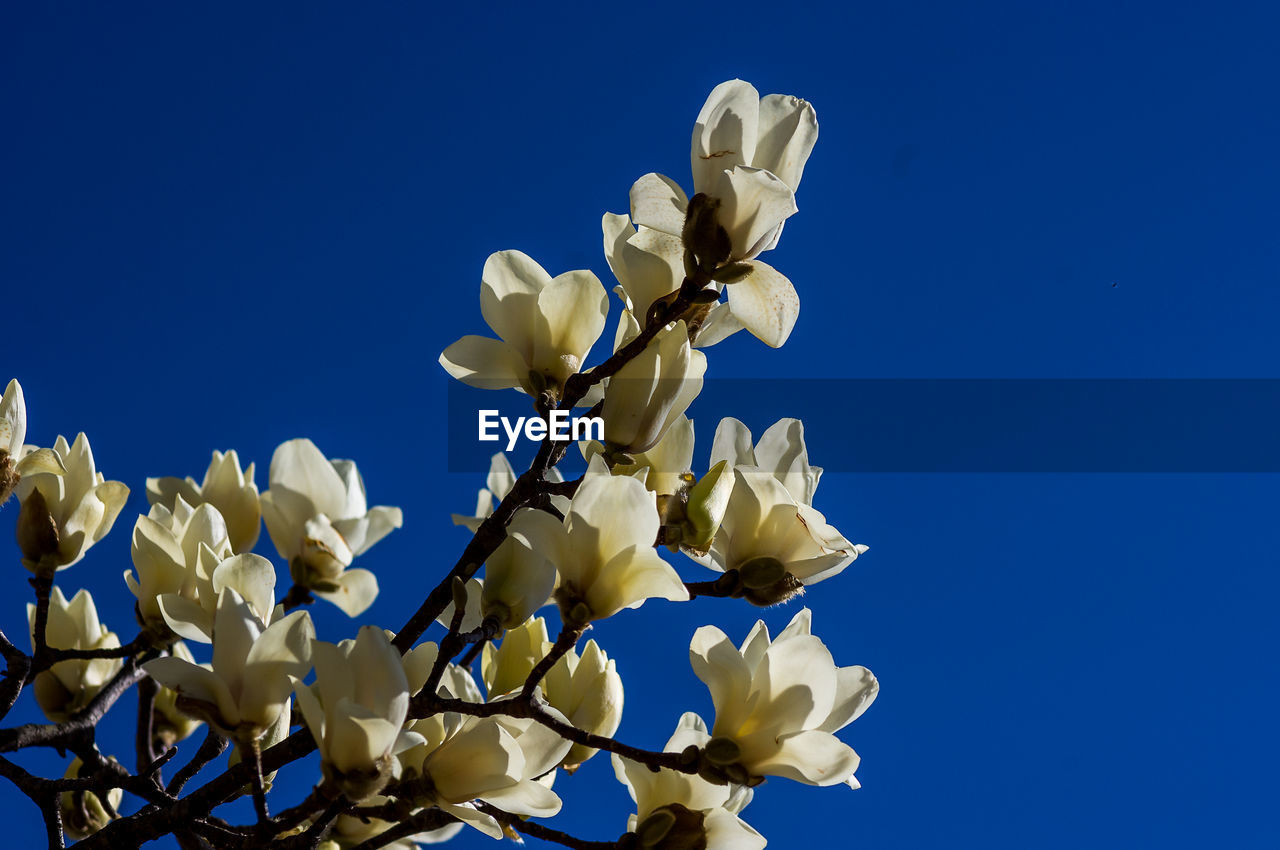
(68, 686)
(227, 488)
(779, 702)
(319, 520)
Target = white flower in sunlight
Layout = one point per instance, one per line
(588, 691)
(770, 532)
(546, 326)
(356, 709)
(319, 520)
(166, 552)
(653, 390)
(518, 580)
(16, 459)
(169, 724)
(648, 264)
(83, 814)
(230, 490)
(781, 453)
(62, 515)
(676, 809)
(68, 686)
(778, 704)
(495, 760)
(192, 611)
(505, 667)
(748, 154)
(247, 690)
(353, 830)
(603, 549)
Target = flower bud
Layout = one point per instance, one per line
(37, 531)
(82, 812)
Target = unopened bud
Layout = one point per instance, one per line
(703, 234)
(37, 530)
(722, 751)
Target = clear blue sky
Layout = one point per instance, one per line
(229, 226)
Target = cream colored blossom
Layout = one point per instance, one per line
(166, 552)
(192, 611)
(495, 760)
(652, 390)
(64, 514)
(353, 830)
(225, 486)
(83, 814)
(319, 520)
(586, 689)
(770, 532)
(778, 703)
(356, 709)
(748, 154)
(546, 327)
(68, 686)
(603, 549)
(518, 580)
(17, 459)
(247, 690)
(680, 810)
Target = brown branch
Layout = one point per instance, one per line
(212, 747)
(545, 833)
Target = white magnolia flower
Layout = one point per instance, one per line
(353, 830)
(748, 154)
(68, 686)
(192, 611)
(169, 724)
(83, 814)
(496, 760)
(648, 264)
(778, 703)
(505, 667)
(781, 453)
(603, 550)
(356, 709)
(588, 691)
(319, 520)
(247, 690)
(770, 533)
(230, 490)
(676, 809)
(546, 326)
(17, 459)
(166, 552)
(64, 514)
(518, 580)
(652, 390)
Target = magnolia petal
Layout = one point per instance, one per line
(856, 689)
(812, 757)
(754, 204)
(186, 617)
(765, 303)
(300, 466)
(725, 132)
(509, 288)
(41, 460)
(252, 577)
(357, 589)
(527, 798)
(195, 682)
(658, 202)
(488, 364)
(788, 130)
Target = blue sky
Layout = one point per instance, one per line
(227, 227)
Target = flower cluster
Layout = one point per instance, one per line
(411, 747)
